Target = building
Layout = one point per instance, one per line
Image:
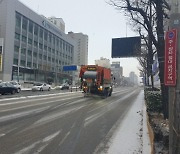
(34, 49)
(117, 71)
(59, 22)
(81, 48)
(133, 78)
(104, 62)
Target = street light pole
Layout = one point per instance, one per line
(19, 56)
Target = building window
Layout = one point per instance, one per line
(45, 57)
(24, 38)
(15, 61)
(57, 42)
(29, 53)
(35, 43)
(61, 44)
(40, 46)
(34, 54)
(17, 36)
(24, 24)
(54, 40)
(45, 47)
(36, 30)
(18, 20)
(23, 51)
(40, 66)
(29, 64)
(41, 33)
(34, 65)
(23, 63)
(29, 41)
(40, 56)
(30, 27)
(49, 49)
(49, 59)
(49, 38)
(16, 49)
(45, 35)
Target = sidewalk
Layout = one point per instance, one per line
(132, 134)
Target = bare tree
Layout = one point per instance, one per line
(148, 15)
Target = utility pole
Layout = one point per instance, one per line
(174, 92)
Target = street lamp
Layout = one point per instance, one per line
(19, 56)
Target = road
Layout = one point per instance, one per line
(61, 123)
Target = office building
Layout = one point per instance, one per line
(133, 78)
(81, 48)
(117, 71)
(59, 22)
(34, 49)
(104, 62)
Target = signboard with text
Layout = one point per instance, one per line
(170, 58)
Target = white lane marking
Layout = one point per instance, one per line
(37, 96)
(48, 118)
(8, 99)
(27, 149)
(43, 141)
(20, 102)
(54, 101)
(94, 117)
(1, 135)
(65, 137)
(50, 137)
(21, 114)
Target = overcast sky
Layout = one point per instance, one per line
(100, 21)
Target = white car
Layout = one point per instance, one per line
(17, 85)
(41, 87)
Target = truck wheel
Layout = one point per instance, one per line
(105, 93)
(110, 93)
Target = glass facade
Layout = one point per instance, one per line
(38, 51)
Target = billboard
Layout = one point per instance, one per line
(170, 58)
(70, 68)
(126, 47)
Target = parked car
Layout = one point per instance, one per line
(41, 87)
(64, 86)
(17, 85)
(6, 87)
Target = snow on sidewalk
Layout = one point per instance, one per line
(132, 136)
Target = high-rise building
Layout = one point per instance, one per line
(81, 48)
(117, 72)
(59, 22)
(133, 78)
(104, 62)
(34, 49)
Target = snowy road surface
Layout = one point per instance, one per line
(132, 136)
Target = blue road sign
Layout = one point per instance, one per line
(70, 68)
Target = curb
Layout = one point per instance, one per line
(151, 134)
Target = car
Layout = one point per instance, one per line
(6, 88)
(64, 86)
(17, 85)
(41, 87)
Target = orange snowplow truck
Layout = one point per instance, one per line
(96, 80)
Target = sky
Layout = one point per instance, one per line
(95, 18)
